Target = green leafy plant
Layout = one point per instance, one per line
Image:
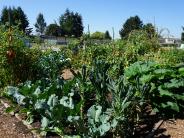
(99, 79)
(51, 63)
(100, 122)
(162, 86)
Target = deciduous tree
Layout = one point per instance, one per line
(133, 23)
(97, 35)
(53, 30)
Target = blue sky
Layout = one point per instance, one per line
(102, 15)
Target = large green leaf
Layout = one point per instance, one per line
(100, 122)
(52, 101)
(173, 106)
(181, 70)
(164, 92)
(179, 96)
(44, 122)
(41, 104)
(139, 68)
(174, 83)
(67, 101)
(14, 91)
(146, 78)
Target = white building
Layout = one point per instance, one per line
(170, 41)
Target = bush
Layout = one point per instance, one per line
(98, 35)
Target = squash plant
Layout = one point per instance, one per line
(161, 86)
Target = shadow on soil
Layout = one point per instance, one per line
(145, 128)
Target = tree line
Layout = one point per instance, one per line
(70, 24)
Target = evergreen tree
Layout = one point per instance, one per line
(107, 35)
(133, 23)
(182, 35)
(15, 16)
(5, 15)
(71, 24)
(40, 24)
(78, 25)
(22, 19)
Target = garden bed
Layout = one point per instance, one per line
(105, 97)
(11, 127)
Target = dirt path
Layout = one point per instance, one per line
(11, 127)
(171, 129)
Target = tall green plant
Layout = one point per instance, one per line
(17, 60)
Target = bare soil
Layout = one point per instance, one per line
(11, 127)
(67, 74)
(171, 129)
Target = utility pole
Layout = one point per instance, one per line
(88, 31)
(113, 33)
(156, 28)
(154, 21)
(89, 38)
(113, 44)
